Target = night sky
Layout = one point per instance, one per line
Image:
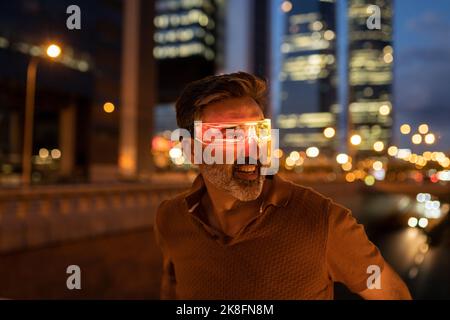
(422, 62)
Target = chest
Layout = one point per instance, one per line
(275, 258)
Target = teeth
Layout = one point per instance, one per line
(247, 168)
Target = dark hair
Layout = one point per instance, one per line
(201, 93)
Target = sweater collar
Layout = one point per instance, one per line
(279, 193)
(195, 193)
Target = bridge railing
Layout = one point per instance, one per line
(41, 216)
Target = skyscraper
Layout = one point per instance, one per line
(370, 75)
(307, 102)
(185, 42)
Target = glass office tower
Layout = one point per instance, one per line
(307, 91)
(370, 75)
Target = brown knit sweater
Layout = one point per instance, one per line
(296, 247)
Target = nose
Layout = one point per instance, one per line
(251, 145)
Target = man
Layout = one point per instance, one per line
(237, 234)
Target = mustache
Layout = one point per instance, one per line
(247, 161)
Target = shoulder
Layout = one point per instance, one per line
(309, 201)
(308, 214)
(169, 209)
(307, 197)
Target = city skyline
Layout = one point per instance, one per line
(409, 106)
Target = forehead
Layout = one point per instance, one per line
(233, 110)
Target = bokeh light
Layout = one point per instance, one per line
(312, 152)
(405, 128)
(329, 132)
(430, 138)
(423, 128)
(416, 139)
(109, 107)
(355, 139)
(378, 146)
(286, 6)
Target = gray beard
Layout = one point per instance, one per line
(221, 176)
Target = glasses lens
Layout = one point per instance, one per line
(233, 132)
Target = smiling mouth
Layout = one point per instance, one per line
(246, 171)
(246, 168)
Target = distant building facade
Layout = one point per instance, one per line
(370, 76)
(307, 97)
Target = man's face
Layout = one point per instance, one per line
(242, 181)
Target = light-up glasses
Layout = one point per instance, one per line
(232, 132)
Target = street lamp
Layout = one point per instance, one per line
(53, 51)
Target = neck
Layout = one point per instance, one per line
(227, 213)
(221, 201)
